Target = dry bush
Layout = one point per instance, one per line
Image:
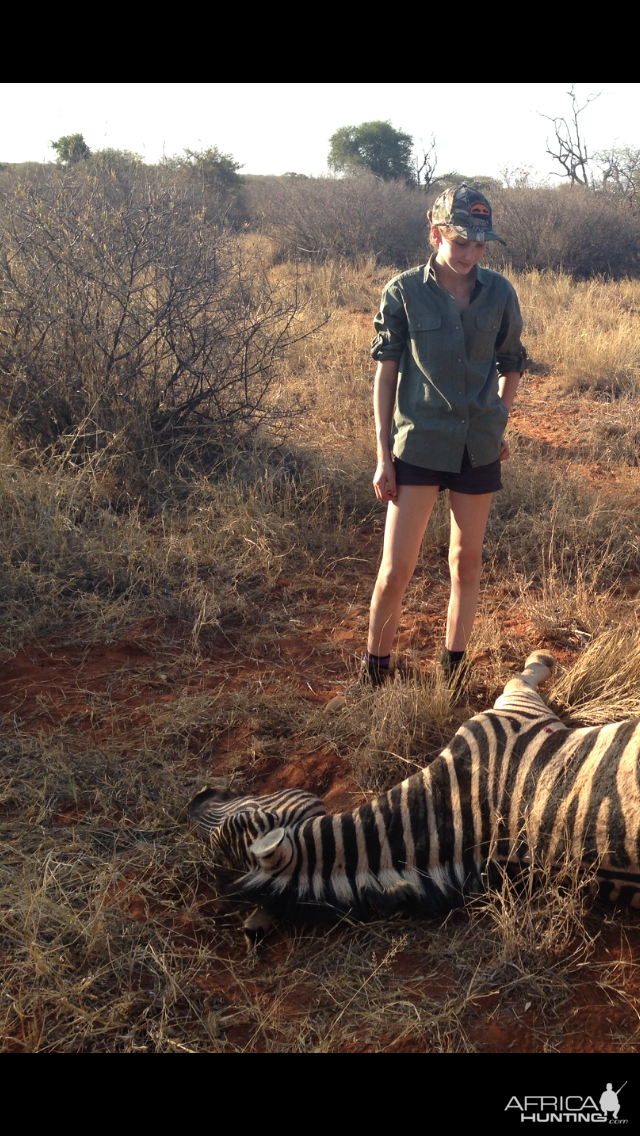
(209, 552)
(578, 231)
(129, 323)
(353, 217)
(336, 284)
(582, 232)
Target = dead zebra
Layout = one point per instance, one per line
(514, 786)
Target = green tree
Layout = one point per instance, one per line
(70, 148)
(112, 159)
(375, 146)
(214, 179)
(213, 166)
(482, 182)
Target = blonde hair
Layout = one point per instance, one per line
(446, 231)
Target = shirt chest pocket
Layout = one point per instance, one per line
(482, 341)
(425, 335)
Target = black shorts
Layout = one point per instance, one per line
(473, 480)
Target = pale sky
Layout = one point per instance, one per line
(270, 128)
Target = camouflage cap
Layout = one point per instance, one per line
(467, 211)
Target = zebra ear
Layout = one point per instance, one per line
(265, 846)
(274, 850)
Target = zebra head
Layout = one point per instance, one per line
(250, 832)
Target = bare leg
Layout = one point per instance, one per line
(407, 519)
(468, 523)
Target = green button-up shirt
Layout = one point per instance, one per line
(449, 362)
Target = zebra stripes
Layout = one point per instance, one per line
(233, 823)
(514, 786)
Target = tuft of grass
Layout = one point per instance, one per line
(392, 731)
(604, 684)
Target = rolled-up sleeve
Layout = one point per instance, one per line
(510, 353)
(391, 326)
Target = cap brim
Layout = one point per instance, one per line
(477, 234)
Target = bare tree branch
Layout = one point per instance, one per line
(570, 147)
(425, 163)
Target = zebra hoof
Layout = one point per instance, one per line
(256, 927)
(543, 659)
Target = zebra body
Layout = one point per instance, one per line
(514, 786)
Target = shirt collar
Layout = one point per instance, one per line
(430, 275)
(429, 271)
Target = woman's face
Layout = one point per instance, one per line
(460, 255)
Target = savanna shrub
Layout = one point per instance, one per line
(355, 217)
(583, 232)
(128, 319)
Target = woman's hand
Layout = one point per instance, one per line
(505, 452)
(384, 481)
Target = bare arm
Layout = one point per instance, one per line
(507, 388)
(384, 400)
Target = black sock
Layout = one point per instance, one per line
(376, 668)
(450, 660)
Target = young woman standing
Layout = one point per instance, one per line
(449, 363)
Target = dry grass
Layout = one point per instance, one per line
(114, 937)
(389, 733)
(113, 934)
(604, 685)
(587, 334)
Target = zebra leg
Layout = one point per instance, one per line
(538, 666)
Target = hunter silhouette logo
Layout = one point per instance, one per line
(574, 1107)
(479, 209)
(609, 1102)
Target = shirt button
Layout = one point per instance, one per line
(459, 360)
(456, 328)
